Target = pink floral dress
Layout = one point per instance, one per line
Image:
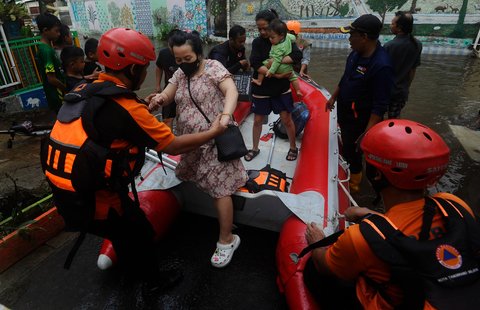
(218, 179)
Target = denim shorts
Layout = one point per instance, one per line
(263, 106)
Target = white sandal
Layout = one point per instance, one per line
(224, 253)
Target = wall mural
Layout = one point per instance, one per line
(101, 15)
(92, 15)
(316, 13)
(441, 17)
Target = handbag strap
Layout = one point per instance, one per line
(194, 102)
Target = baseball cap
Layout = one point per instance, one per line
(367, 23)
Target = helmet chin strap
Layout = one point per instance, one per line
(378, 181)
(133, 73)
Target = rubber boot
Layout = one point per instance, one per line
(355, 180)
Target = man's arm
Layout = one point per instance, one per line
(411, 76)
(374, 119)
(219, 56)
(189, 142)
(305, 61)
(331, 102)
(382, 87)
(313, 233)
(164, 98)
(340, 259)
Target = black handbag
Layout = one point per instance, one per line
(230, 144)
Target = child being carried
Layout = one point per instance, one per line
(281, 46)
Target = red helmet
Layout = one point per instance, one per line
(409, 154)
(120, 47)
(294, 25)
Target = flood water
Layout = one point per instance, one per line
(446, 90)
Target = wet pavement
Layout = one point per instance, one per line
(446, 90)
(247, 283)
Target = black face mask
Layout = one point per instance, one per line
(378, 185)
(189, 68)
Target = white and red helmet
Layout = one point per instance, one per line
(120, 47)
(410, 155)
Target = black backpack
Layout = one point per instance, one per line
(89, 163)
(445, 271)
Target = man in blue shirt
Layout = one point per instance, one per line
(363, 94)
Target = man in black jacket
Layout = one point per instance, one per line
(231, 53)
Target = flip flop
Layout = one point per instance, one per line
(251, 154)
(292, 154)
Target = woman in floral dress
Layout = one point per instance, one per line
(213, 89)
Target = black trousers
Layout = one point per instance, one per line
(131, 233)
(352, 128)
(330, 292)
(132, 237)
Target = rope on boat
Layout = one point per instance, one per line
(344, 165)
(354, 203)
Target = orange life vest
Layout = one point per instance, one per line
(73, 160)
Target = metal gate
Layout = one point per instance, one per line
(8, 69)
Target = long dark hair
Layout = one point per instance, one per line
(405, 23)
(267, 15)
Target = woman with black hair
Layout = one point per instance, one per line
(206, 83)
(274, 94)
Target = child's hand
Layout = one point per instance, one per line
(268, 74)
(94, 75)
(269, 64)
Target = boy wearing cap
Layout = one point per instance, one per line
(363, 93)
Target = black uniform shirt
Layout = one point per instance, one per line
(229, 58)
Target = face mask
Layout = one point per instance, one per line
(378, 184)
(189, 68)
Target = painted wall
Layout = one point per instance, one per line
(437, 17)
(437, 10)
(442, 17)
(100, 15)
